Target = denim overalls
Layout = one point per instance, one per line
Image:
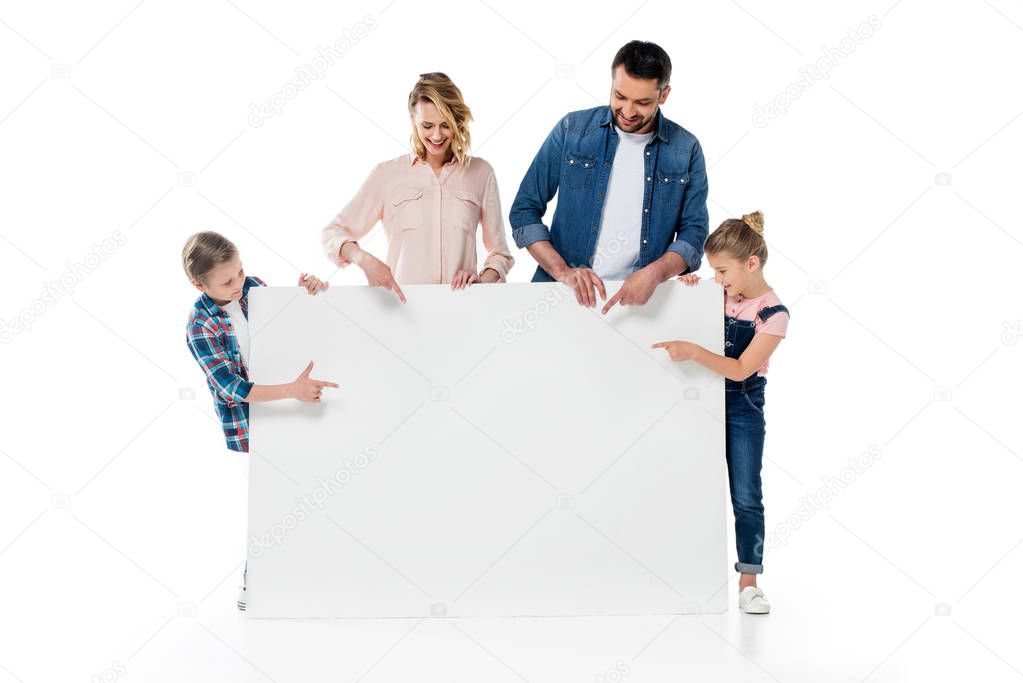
(744, 445)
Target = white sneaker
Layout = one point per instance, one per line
(241, 598)
(752, 601)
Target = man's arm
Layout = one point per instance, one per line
(537, 189)
(693, 224)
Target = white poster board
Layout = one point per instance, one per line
(496, 451)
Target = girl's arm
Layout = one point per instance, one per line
(736, 369)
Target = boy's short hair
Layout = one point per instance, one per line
(205, 251)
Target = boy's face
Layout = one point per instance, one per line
(224, 283)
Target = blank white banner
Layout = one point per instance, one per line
(497, 451)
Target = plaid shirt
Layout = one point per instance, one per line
(211, 339)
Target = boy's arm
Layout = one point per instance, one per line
(218, 367)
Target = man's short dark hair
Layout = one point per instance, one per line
(642, 59)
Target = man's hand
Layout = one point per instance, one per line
(585, 283)
(636, 290)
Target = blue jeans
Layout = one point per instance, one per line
(744, 451)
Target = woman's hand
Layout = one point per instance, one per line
(489, 275)
(377, 273)
(312, 284)
(689, 279)
(307, 389)
(678, 350)
(463, 279)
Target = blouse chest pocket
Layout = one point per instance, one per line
(406, 209)
(579, 170)
(466, 209)
(670, 187)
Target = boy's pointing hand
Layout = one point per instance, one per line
(308, 389)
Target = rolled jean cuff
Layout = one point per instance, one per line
(744, 568)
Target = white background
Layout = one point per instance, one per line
(119, 510)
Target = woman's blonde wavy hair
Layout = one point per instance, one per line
(437, 88)
(739, 238)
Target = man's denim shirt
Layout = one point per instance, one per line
(575, 162)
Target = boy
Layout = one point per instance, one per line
(218, 338)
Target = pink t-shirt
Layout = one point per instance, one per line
(742, 308)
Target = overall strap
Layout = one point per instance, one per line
(767, 312)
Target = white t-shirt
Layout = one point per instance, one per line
(241, 329)
(621, 221)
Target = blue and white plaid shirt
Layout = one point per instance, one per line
(212, 341)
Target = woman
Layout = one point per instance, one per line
(431, 202)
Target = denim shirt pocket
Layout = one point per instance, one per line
(579, 170)
(670, 187)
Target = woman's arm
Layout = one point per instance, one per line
(499, 260)
(356, 219)
(736, 369)
(340, 237)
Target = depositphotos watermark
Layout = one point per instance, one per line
(820, 499)
(527, 322)
(307, 74)
(811, 74)
(63, 286)
(311, 502)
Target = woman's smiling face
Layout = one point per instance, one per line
(433, 130)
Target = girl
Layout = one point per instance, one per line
(755, 323)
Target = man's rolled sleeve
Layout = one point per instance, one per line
(537, 189)
(693, 226)
(527, 234)
(689, 254)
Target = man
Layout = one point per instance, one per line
(631, 186)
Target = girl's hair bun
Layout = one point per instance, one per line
(755, 221)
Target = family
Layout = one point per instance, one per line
(631, 190)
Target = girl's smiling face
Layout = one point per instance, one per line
(224, 283)
(731, 273)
